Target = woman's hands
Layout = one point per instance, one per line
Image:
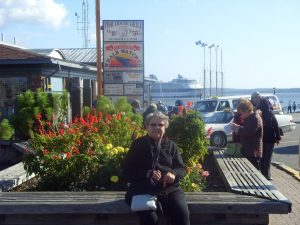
(235, 127)
(168, 178)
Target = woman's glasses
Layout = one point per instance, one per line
(156, 124)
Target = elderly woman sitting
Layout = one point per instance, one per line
(154, 166)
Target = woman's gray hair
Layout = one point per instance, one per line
(158, 114)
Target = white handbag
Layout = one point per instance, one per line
(143, 202)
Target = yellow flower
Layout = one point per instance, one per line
(120, 149)
(194, 185)
(108, 146)
(114, 179)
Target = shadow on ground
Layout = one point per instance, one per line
(287, 150)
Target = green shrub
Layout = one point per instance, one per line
(6, 130)
(188, 132)
(52, 107)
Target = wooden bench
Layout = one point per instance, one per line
(106, 208)
(250, 200)
(241, 177)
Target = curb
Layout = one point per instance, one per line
(294, 173)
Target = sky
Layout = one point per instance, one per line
(259, 39)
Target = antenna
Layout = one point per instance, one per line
(83, 25)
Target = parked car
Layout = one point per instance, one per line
(207, 107)
(214, 126)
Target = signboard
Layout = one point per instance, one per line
(133, 89)
(123, 56)
(123, 59)
(123, 30)
(113, 89)
(123, 77)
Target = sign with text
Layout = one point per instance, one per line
(123, 77)
(123, 30)
(133, 89)
(123, 56)
(113, 89)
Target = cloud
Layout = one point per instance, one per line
(42, 12)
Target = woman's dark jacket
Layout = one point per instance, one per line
(141, 158)
(270, 124)
(251, 136)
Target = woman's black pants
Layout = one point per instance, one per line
(175, 209)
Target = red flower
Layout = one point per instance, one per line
(45, 152)
(82, 121)
(69, 155)
(61, 131)
(56, 157)
(118, 116)
(75, 150)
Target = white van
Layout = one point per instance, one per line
(207, 107)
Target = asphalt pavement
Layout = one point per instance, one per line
(287, 152)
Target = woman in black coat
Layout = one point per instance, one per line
(154, 166)
(271, 135)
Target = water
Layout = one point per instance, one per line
(284, 95)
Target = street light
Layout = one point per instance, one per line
(204, 77)
(217, 70)
(211, 46)
(222, 75)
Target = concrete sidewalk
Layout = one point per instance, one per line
(289, 186)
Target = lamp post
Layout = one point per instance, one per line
(211, 46)
(217, 70)
(222, 75)
(204, 75)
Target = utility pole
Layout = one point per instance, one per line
(98, 46)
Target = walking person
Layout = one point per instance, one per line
(270, 137)
(290, 107)
(154, 166)
(294, 106)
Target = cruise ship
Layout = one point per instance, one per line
(179, 88)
